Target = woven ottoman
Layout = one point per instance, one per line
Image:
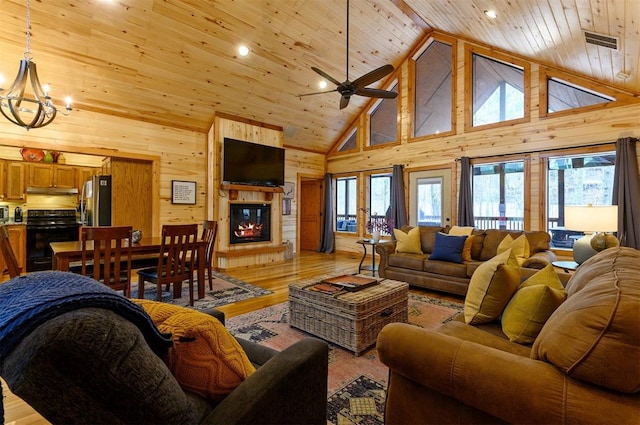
(349, 319)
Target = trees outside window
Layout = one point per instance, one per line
(384, 121)
(379, 200)
(498, 195)
(346, 204)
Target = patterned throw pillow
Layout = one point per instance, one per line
(205, 358)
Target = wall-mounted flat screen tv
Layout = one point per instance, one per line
(252, 163)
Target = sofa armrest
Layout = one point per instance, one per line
(539, 260)
(289, 388)
(384, 249)
(507, 386)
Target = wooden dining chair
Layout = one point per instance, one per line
(7, 253)
(108, 259)
(175, 263)
(209, 233)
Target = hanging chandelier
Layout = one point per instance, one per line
(33, 111)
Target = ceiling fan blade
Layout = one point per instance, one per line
(318, 92)
(327, 76)
(373, 76)
(384, 94)
(344, 101)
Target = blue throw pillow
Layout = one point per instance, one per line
(448, 248)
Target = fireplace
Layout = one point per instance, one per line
(249, 223)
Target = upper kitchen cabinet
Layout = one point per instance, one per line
(84, 175)
(52, 175)
(14, 184)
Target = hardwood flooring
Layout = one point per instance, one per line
(274, 277)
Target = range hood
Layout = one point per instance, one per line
(52, 190)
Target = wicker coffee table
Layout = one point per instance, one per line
(349, 319)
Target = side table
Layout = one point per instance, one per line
(373, 268)
(567, 266)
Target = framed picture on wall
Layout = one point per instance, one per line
(286, 206)
(183, 192)
(289, 190)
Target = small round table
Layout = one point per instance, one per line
(567, 266)
(372, 244)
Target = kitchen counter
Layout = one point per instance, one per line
(12, 223)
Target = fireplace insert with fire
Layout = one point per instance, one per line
(250, 223)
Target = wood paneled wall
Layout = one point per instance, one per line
(580, 129)
(178, 154)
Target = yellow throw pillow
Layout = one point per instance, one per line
(520, 247)
(408, 242)
(491, 287)
(466, 249)
(460, 231)
(531, 306)
(205, 358)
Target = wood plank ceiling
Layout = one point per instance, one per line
(175, 62)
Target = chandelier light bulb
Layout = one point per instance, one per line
(68, 101)
(45, 89)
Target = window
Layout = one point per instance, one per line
(576, 180)
(498, 91)
(433, 90)
(379, 202)
(350, 142)
(429, 201)
(346, 200)
(498, 195)
(384, 121)
(563, 96)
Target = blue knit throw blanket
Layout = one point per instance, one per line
(28, 301)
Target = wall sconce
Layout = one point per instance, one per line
(594, 221)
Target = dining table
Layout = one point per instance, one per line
(65, 253)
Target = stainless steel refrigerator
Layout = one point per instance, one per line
(96, 202)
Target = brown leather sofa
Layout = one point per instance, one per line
(583, 367)
(419, 270)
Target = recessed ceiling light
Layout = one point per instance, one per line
(243, 50)
(491, 13)
(322, 84)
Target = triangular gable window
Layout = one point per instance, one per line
(563, 96)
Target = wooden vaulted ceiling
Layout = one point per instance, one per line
(175, 62)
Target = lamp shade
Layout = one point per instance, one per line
(591, 218)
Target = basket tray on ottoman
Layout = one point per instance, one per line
(349, 319)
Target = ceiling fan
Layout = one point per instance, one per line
(358, 86)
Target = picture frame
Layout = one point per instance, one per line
(286, 206)
(289, 190)
(183, 192)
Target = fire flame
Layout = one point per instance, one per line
(248, 230)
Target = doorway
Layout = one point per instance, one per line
(310, 214)
(430, 198)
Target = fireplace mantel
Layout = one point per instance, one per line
(235, 188)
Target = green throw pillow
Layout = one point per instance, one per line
(532, 304)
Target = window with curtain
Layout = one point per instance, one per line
(498, 91)
(383, 121)
(379, 200)
(498, 195)
(576, 180)
(433, 90)
(346, 201)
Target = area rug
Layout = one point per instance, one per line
(226, 290)
(356, 387)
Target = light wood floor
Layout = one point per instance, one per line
(274, 277)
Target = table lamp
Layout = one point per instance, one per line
(593, 220)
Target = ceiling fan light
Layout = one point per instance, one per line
(243, 50)
(322, 84)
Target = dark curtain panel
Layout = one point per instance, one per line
(465, 201)
(327, 236)
(626, 192)
(397, 216)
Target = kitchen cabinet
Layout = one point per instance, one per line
(14, 185)
(84, 175)
(18, 240)
(52, 175)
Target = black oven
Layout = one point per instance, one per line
(44, 227)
